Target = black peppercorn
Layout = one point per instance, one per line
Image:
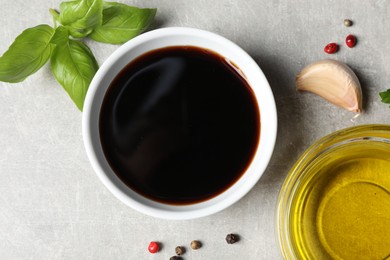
(195, 244)
(232, 238)
(175, 258)
(180, 250)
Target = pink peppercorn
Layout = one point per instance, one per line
(153, 247)
(331, 48)
(350, 41)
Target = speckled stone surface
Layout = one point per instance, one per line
(52, 205)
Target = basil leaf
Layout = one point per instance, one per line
(385, 96)
(74, 66)
(27, 54)
(61, 36)
(80, 17)
(122, 22)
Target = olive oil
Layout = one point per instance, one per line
(341, 208)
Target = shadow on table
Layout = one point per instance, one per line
(291, 135)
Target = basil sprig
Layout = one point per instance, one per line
(71, 61)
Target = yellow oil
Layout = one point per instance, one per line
(342, 208)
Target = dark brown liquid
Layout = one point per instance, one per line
(179, 125)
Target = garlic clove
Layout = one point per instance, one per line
(334, 81)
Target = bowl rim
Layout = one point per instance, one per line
(157, 209)
(291, 181)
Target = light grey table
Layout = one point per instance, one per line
(52, 205)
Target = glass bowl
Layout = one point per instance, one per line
(335, 201)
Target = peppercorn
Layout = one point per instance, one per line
(153, 247)
(348, 22)
(231, 238)
(195, 244)
(175, 258)
(350, 41)
(180, 250)
(331, 48)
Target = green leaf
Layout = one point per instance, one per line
(27, 54)
(122, 22)
(56, 16)
(385, 96)
(74, 66)
(80, 17)
(61, 36)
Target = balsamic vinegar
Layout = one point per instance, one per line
(179, 125)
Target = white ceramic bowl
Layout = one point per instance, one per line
(179, 37)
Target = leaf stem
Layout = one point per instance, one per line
(56, 16)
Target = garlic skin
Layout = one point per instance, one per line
(334, 81)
